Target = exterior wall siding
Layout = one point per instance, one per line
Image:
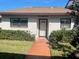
(33, 24)
(54, 23)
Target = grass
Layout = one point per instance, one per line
(13, 46)
(56, 52)
(12, 49)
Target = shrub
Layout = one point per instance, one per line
(75, 41)
(65, 36)
(16, 35)
(67, 48)
(61, 40)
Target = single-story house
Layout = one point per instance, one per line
(38, 21)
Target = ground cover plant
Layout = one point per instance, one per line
(15, 35)
(15, 44)
(14, 49)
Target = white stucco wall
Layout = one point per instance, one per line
(54, 23)
(33, 24)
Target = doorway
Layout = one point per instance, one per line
(43, 27)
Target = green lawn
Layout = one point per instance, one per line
(56, 52)
(13, 46)
(12, 49)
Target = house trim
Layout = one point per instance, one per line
(46, 26)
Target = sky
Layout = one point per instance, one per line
(15, 4)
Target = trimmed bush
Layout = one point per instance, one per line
(15, 35)
(61, 39)
(64, 36)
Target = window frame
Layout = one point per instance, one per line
(68, 25)
(18, 24)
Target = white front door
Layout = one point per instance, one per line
(43, 27)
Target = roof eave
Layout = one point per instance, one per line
(15, 13)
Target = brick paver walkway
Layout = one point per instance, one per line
(39, 50)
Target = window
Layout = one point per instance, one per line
(19, 22)
(65, 23)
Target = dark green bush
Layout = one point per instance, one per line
(61, 40)
(75, 41)
(65, 36)
(15, 35)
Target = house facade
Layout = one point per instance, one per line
(38, 21)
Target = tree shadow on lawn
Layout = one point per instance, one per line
(59, 57)
(4, 55)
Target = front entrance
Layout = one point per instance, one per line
(43, 27)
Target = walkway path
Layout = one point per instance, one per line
(39, 50)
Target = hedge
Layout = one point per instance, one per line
(61, 39)
(15, 35)
(64, 36)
